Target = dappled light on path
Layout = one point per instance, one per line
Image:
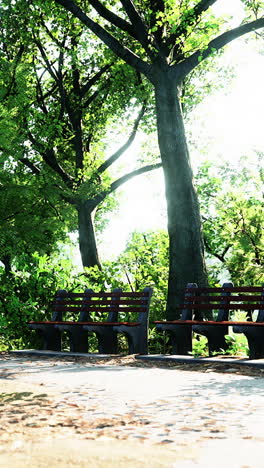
(48, 399)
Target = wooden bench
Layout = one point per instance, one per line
(105, 313)
(224, 300)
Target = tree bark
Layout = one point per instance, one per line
(87, 241)
(6, 260)
(184, 224)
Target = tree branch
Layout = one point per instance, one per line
(121, 51)
(142, 33)
(85, 88)
(53, 38)
(194, 15)
(16, 61)
(49, 157)
(30, 165)
(216, 44)
(220, 257)
(115, 185)
(124, 147)
(113, 18)
(45, 58)
(136, 20)
(158, 29)
(122, 180)
(92, 97)
(202, 6)
(39, 94)
(103, 91)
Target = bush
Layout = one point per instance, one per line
(26, 295)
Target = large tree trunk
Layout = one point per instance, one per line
(87, 241)
(184, 224)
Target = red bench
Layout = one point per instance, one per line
(104, 313)
(224, 301)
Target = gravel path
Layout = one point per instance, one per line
(181, 418)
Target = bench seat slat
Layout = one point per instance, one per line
(103, 309)
(130, 324)
(107, 294)
(223, 306)
(226, 289)
(207, 322)
(231, 298)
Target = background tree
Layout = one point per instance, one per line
(72, 101)
(165, 41)
(29, 217)
(232, 211)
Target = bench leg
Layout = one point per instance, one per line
(49, 335)
(52, 340)
(78, 341)
(256, 348)
(180, 337)
(137, 338)
(181, 340)
(107, 342)
(78, 338)
(106, 336)
(137, 342)
(215, 336)
(255, 338)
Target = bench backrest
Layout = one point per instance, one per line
(121, 305)
(110, 305)
(58, 305)
(223, 299)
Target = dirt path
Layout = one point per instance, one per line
(38, 430)
(120, 412)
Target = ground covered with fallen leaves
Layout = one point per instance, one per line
(36, 419)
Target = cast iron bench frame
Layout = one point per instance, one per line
(223, 299)
(90, 303)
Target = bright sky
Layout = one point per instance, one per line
(229, 123)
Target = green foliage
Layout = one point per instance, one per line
(237, 345)
(210, 76)
(145, 263)
(199, 346)
(159, 343)
(29, 215)
(253, 8)
(26, 294)
(232, 211)
(179, 19)
(61, 90)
